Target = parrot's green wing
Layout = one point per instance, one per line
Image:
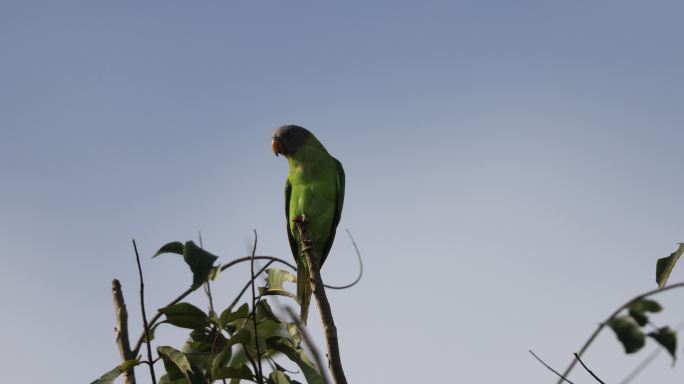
(338, 211)
(293, 242)
(303, 286)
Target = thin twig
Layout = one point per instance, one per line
(562, 378)
(121, 330)
(260, 376)
(188, 291)
(249, 283)
(587, 369)
(144, 316)
(309, 343)
(322, 300)
(358, 256)
(251, 361)
(612, 315)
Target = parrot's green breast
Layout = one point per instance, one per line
(315, 194)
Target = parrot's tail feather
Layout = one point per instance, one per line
(303, 290)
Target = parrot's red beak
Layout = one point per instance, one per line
(276, 146)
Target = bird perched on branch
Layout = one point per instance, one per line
(315, 189)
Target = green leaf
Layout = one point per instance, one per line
(264, 311)
(298, 356)
(665, 265)
(278, 377)
(173, 247)
(293, 330)
(221, 359)
(639, 308)
(627, 331)
(275, 278)
(214, 272)
(227, 316)
(241, 372)
(242, 336)
(200, 261)
(667, 338)
(185, 315)
(110, 376)
(175, 362)
(165, 379)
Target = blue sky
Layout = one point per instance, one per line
(514, 169)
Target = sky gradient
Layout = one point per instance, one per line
(514, 170)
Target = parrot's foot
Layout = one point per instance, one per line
(301, 219)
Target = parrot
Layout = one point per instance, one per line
(314, 188)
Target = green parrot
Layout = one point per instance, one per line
(315, 188)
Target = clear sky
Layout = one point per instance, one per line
(514, 169)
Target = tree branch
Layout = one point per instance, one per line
(612, 315)
(322, 300)
(121, 330)
(587, 369)
(144, 316)
(562, 378)
(259, 374)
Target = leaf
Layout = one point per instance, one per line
(175, 362)
(241, 372)
(639, 308)
(665, 265)
(667, 338)
(227, 316)
(185, 315)
(110, 376)
(221, 359)
(278, 377)
(298, 356)
(200, 261)
(264, 311)
(275, 278)
(173, 247)
(294, 334)
(627, 331)
(243, 336)
(165, 379)
(215, 272)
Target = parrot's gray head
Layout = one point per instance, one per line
(288, 139)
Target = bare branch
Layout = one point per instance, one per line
(121, 330)
(260, 375)
(358, 255)
(587, 369)
(322, 300)
(144, 316)
(562, 378)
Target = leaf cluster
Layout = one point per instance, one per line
(226, 346)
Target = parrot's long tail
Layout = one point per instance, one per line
(303, 289)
